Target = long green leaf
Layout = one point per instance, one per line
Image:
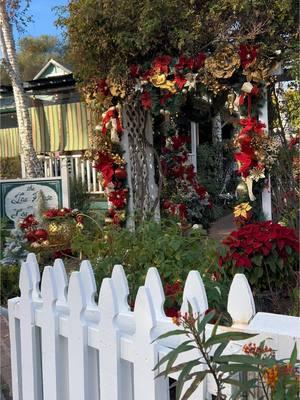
(205, 320)
(196, 382)
(174, 369)
(171, 333)
(293, 358)
(228, 336)
(183, 375)
(245, 359)
(219, 350)
(237, 368)
(172, 352)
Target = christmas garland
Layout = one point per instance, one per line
(161, 87)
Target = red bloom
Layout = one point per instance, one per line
(161, 64)
(146, 100)
(246, 161)
(102, 87)
(118, 198)
(247, 54)
(184, 62)
(180, 81)
(198, 61)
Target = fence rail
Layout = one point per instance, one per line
(78, 167)
(65, 346)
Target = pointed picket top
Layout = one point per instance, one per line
(76, 295)
(194, 293)
(120, 284)
(240, 303)
(26, 281)
(89, 283)
(48, 287)
(154, 284)
(108, 302)
(144, 312)
(36, 276)
(61, 281)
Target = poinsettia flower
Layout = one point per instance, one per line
(180, 81)
(246, 162)
(102, 87)
(198, 61)
(248, 54)
(146, 100)
(161, 64)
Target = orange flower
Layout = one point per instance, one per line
(271, 376)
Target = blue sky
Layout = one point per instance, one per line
(43, 18)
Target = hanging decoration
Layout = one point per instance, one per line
(190, 200)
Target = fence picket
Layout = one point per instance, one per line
(145, 351)
(153, 283)
(194, 292)
(61, 282)
(240, 304)
(29, 336)
(78, 340)
(50, 340)
(109, 343)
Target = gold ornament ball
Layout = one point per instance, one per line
(241, 189)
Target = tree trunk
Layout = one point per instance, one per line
(32, 164)
(137, 143)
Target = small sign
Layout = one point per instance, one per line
(19, 196)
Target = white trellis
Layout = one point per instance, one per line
(65, 346)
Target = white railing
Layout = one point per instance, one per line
(64, 346)
(78, 167)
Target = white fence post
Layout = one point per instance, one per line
(50, 353)
(29, 337)
(65, 182)
(78, 340)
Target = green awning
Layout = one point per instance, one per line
(59, 127)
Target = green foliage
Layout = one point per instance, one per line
(10, 168)
(223, 369)
(110, 38)
(208, 171)
(79, 198)
(9, 278)
(34, 52)
(152, 245)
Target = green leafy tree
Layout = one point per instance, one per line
(111, 35)
(33, 53)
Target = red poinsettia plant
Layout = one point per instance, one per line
(265, 251)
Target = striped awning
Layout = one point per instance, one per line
(59, 127)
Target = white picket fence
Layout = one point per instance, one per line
(78, 167)
(64, 346)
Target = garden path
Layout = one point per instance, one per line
(222, 227)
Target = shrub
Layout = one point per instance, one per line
(79, 198)
(10, 168)
(266, 252)
(166, 247)
(9, 282)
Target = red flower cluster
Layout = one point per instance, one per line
(261, 238)
(175, 165)
(247, 54)
(118, 198)
(146, 100)
(247, 156)
(29, 222)
(172, 290)
(57, 212)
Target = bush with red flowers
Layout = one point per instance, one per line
(266, 252)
